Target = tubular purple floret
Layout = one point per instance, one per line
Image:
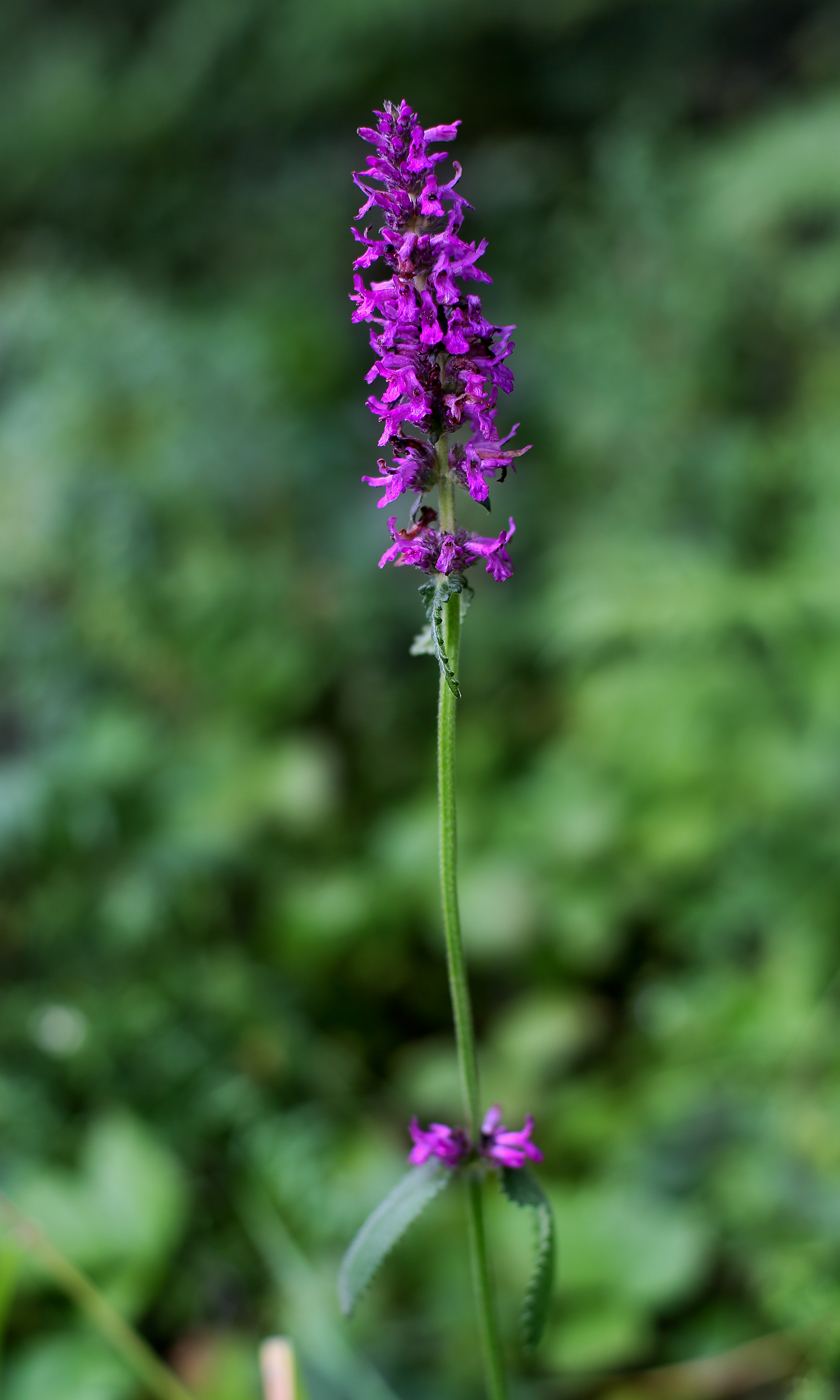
(436, 551)
(441, 360)
(497, 1144)
(506, 1148)
(451, 1145)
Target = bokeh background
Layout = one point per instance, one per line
(223, 989)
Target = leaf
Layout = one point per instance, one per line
(423, 644)
(119, 1215)
(68, 1365)
(387, 1224)
(524, 1190)
(435, 594)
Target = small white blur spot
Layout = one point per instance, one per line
(59, 1030)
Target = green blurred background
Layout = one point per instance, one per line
(223, 984)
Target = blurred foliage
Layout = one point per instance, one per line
(224, 991)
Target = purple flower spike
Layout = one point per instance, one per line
(443, 364)
(505, 1148)
(449, 1144)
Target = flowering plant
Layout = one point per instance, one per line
(443, 364)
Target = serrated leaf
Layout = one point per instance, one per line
(387, 1224)
(524, 1190)
(435, 594)
(423, 644)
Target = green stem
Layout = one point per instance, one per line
(137, 1354)
(488, 1325)
(457, 967)
(456, 962)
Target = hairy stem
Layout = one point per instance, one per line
(488, 1323)
(135, 1352)
(456, 963)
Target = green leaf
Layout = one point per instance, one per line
(385, 1226)
(70, 1365)
(524, 1190)
(120, 1215)
(423, 644)
(435, 594)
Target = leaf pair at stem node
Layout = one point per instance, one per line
(431, 642)
(392, 1217)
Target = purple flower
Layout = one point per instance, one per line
(413, 469)
(475, 463)
(435, 551)
(450, 1144)
(442, 363)
(505, 1148)
(499, 1146)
